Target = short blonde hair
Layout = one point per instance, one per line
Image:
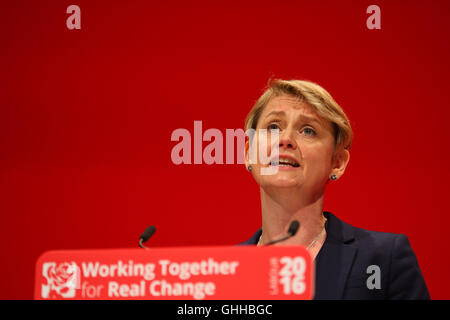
(316, 97)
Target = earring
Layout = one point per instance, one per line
(249, 168)
(333, 177)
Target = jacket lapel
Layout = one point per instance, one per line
(334, 261)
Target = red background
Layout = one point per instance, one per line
(86, 119)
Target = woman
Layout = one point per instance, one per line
(314, 142)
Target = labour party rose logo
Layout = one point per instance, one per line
(61, 280)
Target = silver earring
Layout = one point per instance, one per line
(333, 177)
(249, 168)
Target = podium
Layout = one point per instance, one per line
(180, 273)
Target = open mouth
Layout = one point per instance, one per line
(285, 162)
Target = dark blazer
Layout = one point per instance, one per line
(342, 262)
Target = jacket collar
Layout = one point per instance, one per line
(335, 258)
(338, 230)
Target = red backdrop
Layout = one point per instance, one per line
(86, 119)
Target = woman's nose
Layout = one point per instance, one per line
(287, 139)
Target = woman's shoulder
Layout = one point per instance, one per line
(377, 237)
(371, 245)
(391, 253)
(346, 232)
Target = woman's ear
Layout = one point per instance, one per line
(340, 162)
(246, 153)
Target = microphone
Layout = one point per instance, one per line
(293, 228)
(146, 235)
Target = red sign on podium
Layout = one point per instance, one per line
(219, 273)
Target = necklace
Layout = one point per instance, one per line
(308, 247)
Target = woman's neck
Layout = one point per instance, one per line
(280, 209)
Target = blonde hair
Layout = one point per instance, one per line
(313, 95)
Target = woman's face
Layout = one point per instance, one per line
(306, 146)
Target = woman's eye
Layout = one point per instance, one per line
(273, 126)
(309, 132)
